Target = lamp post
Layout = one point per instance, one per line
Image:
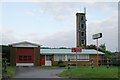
(97, 36)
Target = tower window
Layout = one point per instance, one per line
(81, 17)
(79, 27)
(82, 33)
(82, 26)
(82, 42)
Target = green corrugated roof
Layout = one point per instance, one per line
(68, 51)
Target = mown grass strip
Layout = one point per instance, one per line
(88, 72)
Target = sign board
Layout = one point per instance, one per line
(76, 49)
(96, 36)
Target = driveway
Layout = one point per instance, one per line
(32, 72)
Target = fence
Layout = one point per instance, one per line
(110, 62)
(93, 62)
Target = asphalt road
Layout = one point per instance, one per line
(32, 72)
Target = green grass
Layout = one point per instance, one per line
(11, 70)
(88, 72)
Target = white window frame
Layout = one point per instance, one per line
(84, 57)
(59, 57)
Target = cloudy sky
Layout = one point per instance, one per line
(53, 24)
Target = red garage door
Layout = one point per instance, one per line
(25, 55)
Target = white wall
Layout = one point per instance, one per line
(24, 64)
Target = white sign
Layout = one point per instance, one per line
(96, 36)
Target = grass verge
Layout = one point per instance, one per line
(88, 72)
(11, 71)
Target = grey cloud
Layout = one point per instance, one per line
(59, 39)
(66, 12)
(8, 36)
(109, 28)
(119, 26)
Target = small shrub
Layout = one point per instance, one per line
(73, 64)
(61, 64)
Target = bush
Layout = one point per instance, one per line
(73, 64)
(61, 64)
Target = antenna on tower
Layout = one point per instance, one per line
(85, 10)
(116, 49)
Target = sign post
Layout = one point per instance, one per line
(76, 59)
(97, 53)
(76, 50)
(97, 36)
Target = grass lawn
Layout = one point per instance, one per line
(88, 72)
(11, 70)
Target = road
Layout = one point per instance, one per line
(32, 72)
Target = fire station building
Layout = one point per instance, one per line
(30, 54)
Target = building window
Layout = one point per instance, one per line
(48, 58)
(82, 26)
(79, 57)
(82, 33)
(25, 57)
(29, 58)
(20, 57)
(71, 57)
(82, 41)
(59, 57)
(83, 57)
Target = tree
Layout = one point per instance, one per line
(91, 46)
(102, 46)
(115, 58)
(63, 48)
(6, 52)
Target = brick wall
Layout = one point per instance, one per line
(37, 56)
(13, 56)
